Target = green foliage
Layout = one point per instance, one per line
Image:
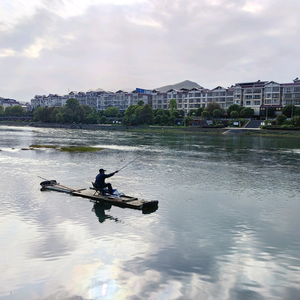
(296, 121)
(140, 103)
(119, 115)
(1, 110)
(175, 114)
(167, 113)
(173, 105)
(111, 112)
(199, 111)
(205, 114)
(72, 104)
(247, 112)
(234, 114)
(93, 117)
(14, 111)
(192, 112)
(234, 107)
(181, 112)
(217, 113)
(171, 121)
(297, 111)
(280, 119)
(212, 106)
(103, 120)
(130, 110)
(288, 110)
(145, 115)
(157, 120)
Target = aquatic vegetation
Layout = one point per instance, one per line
(67, 148)
(80, 149)
(44, 146)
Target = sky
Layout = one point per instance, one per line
(56, 46)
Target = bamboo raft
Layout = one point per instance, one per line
(94, 196)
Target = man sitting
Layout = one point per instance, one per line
(100, 180)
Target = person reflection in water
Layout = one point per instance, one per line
(100, 180)
(99, 210)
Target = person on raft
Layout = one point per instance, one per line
(100, 180)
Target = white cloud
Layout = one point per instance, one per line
(83, 44)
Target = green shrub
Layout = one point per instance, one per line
(280, 119)
(296, 121)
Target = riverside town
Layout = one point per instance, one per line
(258, 99)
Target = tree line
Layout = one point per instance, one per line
(140, 114)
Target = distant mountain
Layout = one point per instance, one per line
(96, 90)
(187, 84)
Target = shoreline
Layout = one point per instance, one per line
(152, 128)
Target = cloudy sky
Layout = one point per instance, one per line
(60, 45)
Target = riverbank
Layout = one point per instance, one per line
(167, 129)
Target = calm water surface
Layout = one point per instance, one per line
(227, 226)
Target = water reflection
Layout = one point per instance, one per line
(99, 210)
(227, 226)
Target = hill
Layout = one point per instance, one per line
(187, 84)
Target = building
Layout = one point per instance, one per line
(258, 95)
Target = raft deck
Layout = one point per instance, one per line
(121, 200)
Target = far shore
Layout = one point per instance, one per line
(152, 128)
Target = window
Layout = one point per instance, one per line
(158, 101)
(256, 91)
(288, 90)
(268, 101)
(191, 101)
(256, 96)
(268, 95)
(197, 94)
(276, 95)
(268, 90)
(165, 101)
(297, 89)
(209, 94)
(215, 93)
(248, 102)
(287, 95)
(275, 101)
(248, 96)
(237, 96)
(275, 89)
(297, 95)
(248, 91)
(256, 102)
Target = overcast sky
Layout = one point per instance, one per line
(113, 44)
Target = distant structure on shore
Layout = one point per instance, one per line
(258, 95)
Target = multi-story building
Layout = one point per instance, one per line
(258, 95)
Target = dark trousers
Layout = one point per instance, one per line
(108, 185)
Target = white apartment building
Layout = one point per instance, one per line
(258, 95)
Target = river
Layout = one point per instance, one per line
(227, 225)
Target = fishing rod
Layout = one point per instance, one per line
(129, 163)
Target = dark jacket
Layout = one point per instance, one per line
(100, 179)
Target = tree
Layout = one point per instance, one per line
(205, 114)
(130, 110)
(296, 121)
(103, 120)
(191, 112)
(93, 117)
(297, 111)
(140, 103)
(73, 104)
(173, 105)
(247, 112)
(15, 110)
(234, 114)
(181, 112)
(288, 110)
(157, 119)
(199, 111)
(233, 107)
(217, 113)
(111, 112)
(175, 113)
(145, 115)
(280, 119)
(211, 106)
(1, 110)
(37, 114)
